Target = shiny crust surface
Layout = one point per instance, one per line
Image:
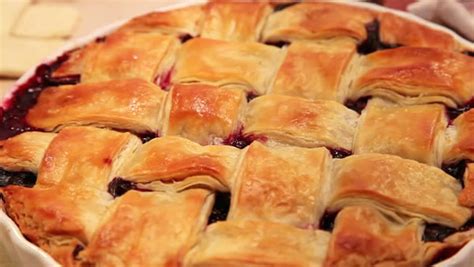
(466, 198)
(234, 21)
(284, 184)
(284, 85)
(149, 228)
(315, 70)
(133, 105)
(173, 159)
(417, 75)
(460, 139)
(400, 185)
(413, 34)
(24, 152)
(413, 132)
(126, 55)
(258, 243)
(58, 218)
(252, 66)
(362, 236)
(64, 208)
(67, 162)
(300, 122)
(180, 21)
(204, 114)
(317, 21)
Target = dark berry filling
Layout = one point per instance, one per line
(164, 79)
(147, 136)
(453, 113)
(444, 254)
(64, 80)
(26, 179)
(469, 53)
(373, 42)
(107, 161)
(221, 208)
(100, 39)
(77, 250)
(251, 95)
(437, 232)
(240, 140)
(340, 153)
(456, 170)
(26, 95)
(118, 186)
(185, 37)
(13, 119)
(357, 105)
(327, 221)
(144, 136)
(279, 44)
(280, 7)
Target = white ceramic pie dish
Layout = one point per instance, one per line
(24, 253)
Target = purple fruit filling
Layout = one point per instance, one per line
(327, 221)
(239, 140)
(185, 37)
(456, 170)
(469, 53)
(118, 186)
(13, 113)
(100, 39)
(437, 232)
(357, 105)
(77, 250)
(279, 44)
(444, 254)
(340, 153)
(64, 80)
(221, 208)
(453, 113)
(164, 80)
(26, 179)
(282, 6)
(147, 136)
(107, 161)
(373, 42)
(251, 96)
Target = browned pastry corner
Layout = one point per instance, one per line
(466, 198)
(418, 35)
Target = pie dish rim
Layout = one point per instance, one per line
(23, 251)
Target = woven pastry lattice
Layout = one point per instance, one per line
(247, 134)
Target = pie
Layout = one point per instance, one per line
(247, 134)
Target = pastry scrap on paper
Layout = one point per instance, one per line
(59, 23)
(26, 37)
